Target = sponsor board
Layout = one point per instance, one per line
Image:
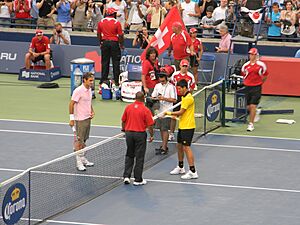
(213, 105)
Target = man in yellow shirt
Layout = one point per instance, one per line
(186, 130)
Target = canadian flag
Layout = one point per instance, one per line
(255, 15)
(162, 37)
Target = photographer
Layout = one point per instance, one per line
(94, 14)
(165, 93)
(142, 38)
(60, 36)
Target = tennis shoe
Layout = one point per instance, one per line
(143, 182)
(190, 175)
(86, 162)
(171, 137)
(80, 166)
(126, 180)
(177, 171)
(250, 127)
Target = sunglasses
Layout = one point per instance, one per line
(184, 66)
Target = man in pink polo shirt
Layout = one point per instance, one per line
(81, 112)
(224, 44)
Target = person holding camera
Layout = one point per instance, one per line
(63, 8)
(6, 9)
(165, 94)
(136, 16)
(142, 38)
(46, 9)
(22, 12)
(60, 36)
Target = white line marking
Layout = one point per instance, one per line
(57, 123)
(252, 136)
(47, 133)
(197, 144)
(178, 182)
(11, 170)
(248, 147)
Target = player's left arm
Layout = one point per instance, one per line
(92, 112)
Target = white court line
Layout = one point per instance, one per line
(178, 182)
(56, 123)
(58, 221)
(48, 133)
(11, 170)
(219, 134)
(196, 144)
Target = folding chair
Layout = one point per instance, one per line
(166, 59)
(207, 68)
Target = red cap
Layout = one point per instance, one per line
(177, 24)
(184, 62)
(38, 32)
(253, 51)
(110, 11)
(193, 30)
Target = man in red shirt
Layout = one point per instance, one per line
(181, 44)
(39, 50)
(254, 73)
(111, 38)
(22, 11)
(135, 120)
(183, 74)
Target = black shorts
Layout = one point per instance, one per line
(177, 101)
(41, 57)
(185, 137)
(193, 61)
(252, 94)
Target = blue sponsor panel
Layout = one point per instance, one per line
(213, 106)
(14, 204)
(40, 75)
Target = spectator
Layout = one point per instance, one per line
(148, 3)
(34, 12)
(63, 8)
(224, 44)
(204, 4)
(230, 15)
(149, 70)
(46, 10)
(207, 23)
(253, 4)
(136, 16)
(182, 74)
(219, 13)
(95, 15)
(121, 7)
(158, 13)
(22, 11)
(80, 8)
(181, 44)
(60, 36)
(273, 21)
(171, 3)
(288, 21)
(142, 38)
(39, 50)
(195, 59)
(111, 39)
(6, 9)
(165, 93)
(190, 12)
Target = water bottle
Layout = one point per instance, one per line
(77, 77)
(114, 97)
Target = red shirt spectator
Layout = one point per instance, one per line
(254, 73)
(40, 45)
(110, 29)
(196, 43)
(177, 76)
(22, 9)
(137, 110)
(180, 43)
(149, 72)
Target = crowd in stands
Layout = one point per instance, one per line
(136, 15)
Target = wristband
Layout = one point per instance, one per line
(72, 117)
(169, 113)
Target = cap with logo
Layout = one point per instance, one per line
(253, 51)
(193, 30)
(110, 11)
(184, 62)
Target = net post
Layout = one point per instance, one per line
(29, 197)
(205, 112)
(223, 104)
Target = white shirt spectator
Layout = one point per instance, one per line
(167, 90)
(189, 8)
(219, 13)
(135, 18)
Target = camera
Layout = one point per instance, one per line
(58, 31)
(140, 35)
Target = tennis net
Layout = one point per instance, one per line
(54, 187)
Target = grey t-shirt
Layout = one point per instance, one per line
(59, 41)
(207, 21)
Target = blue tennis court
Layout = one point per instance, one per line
(242, 179)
